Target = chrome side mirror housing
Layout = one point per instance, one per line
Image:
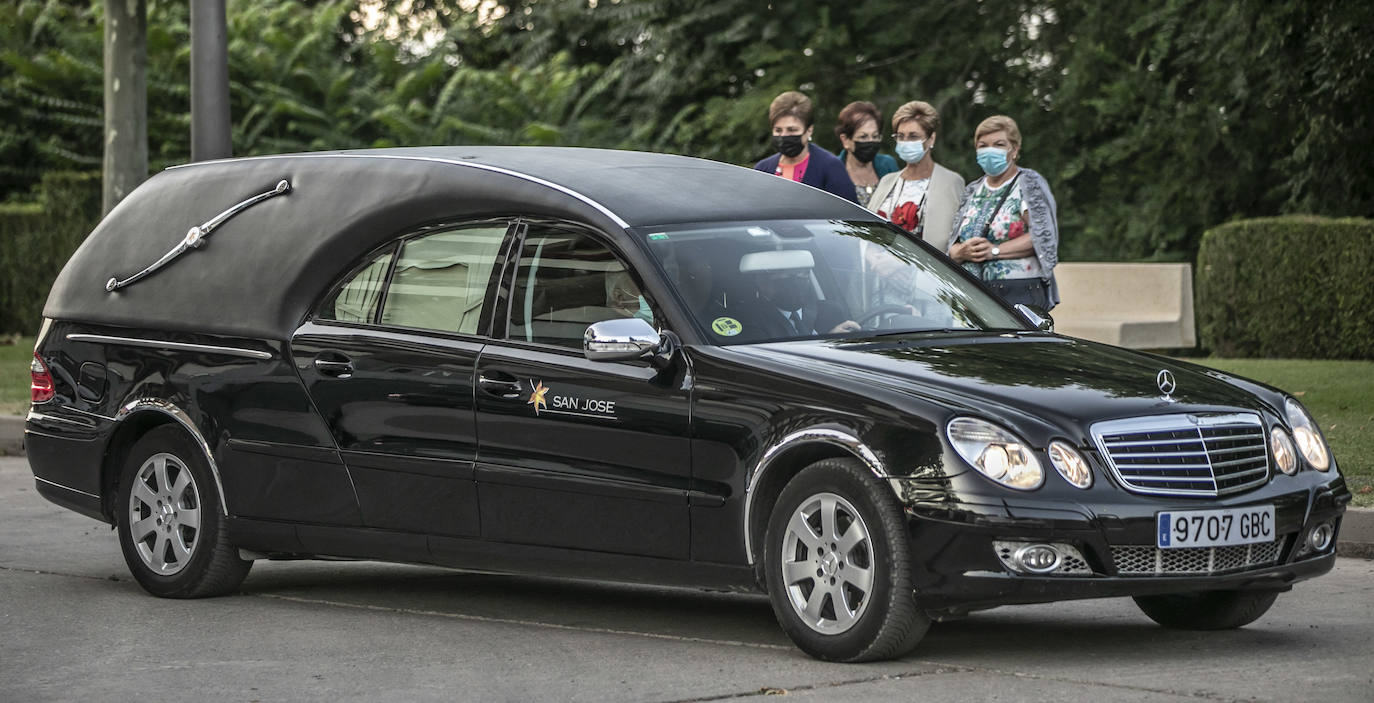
(625, 339)
(1036, 316)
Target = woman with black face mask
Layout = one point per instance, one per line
(862, 138)
(797, 158)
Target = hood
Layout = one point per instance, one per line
(1067, 381)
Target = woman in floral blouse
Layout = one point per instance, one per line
(1006, 230)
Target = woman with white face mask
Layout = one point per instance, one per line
(1006, 229)
(921, 197)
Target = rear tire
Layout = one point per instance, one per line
(837, 566)
(171, 529)
(1207, 610)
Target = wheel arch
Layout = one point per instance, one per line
(134, 420)
(785, 459)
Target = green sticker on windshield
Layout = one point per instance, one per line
(726, 326)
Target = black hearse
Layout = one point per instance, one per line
(640, 367)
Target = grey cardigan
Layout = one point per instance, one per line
(1044, 223)
(945, 191)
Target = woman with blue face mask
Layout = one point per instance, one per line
(921, 197)
(1006, 229)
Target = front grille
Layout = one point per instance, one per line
(1193, 561)
(1198, 455)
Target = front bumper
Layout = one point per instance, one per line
(956, 565)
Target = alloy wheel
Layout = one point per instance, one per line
(827, 563)
(164, 514)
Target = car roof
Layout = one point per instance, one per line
(636, 188)
(259, 273)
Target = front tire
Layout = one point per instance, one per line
(837, 566)
(170, 526)
(1207, 610)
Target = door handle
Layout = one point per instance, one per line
(500, 384)
(339, 366)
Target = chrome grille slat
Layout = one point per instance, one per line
(1235, 462)
(1182, 454)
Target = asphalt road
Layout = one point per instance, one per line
(76, 627)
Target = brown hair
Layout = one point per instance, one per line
(854, 115)
(998, 123)
(924, 114)
(792, 104)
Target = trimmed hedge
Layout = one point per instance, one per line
(1297, 287)
(36, 239)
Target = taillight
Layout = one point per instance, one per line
(40, 388)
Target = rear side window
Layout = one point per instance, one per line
(437, 280)
(441, 279)
(357, 300)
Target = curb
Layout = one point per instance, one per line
(11, 435)
(1356, 538)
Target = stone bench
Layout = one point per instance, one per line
(1141, 306)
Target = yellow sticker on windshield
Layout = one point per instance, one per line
(726, 326)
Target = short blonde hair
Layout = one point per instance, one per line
(790, 104)
(924, 113)
(998, 123)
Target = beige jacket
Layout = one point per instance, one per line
(946, 189)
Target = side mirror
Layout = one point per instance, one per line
(620, 340)
(1036, 316)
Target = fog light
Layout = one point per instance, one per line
(1320, 537)
(1037, 558)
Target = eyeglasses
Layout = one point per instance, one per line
(909, 137)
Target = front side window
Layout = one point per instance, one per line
(566, 281)
(795, 279)
(441, 279)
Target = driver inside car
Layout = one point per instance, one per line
(786, 305)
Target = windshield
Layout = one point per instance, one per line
(750, 282)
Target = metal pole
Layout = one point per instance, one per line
(210, 126)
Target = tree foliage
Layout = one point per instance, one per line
(1152, 121)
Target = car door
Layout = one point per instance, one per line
(574, 453)
(389, 360)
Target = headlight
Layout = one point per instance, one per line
(996, 453)
(1305, 433)
(1070, 464)
(1282, 447)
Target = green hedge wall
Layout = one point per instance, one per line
(1288, 287)
(36, 239)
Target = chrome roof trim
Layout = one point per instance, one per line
(173, 346)
(452, 162)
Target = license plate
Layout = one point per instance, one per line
(1215, 528)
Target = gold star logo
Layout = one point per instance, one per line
(537, 396)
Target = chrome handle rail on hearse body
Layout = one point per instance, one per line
(197, 234)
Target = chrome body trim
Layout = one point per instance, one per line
(36, 415)
(66, 488)
(452, 162)
(197, 234)
(175, 346)
(176, 413)
(1175, 423)
(838, 438)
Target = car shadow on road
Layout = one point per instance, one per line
(1048, 633)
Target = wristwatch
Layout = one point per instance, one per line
(996, 251)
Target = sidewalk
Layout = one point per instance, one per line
(1356, 539)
